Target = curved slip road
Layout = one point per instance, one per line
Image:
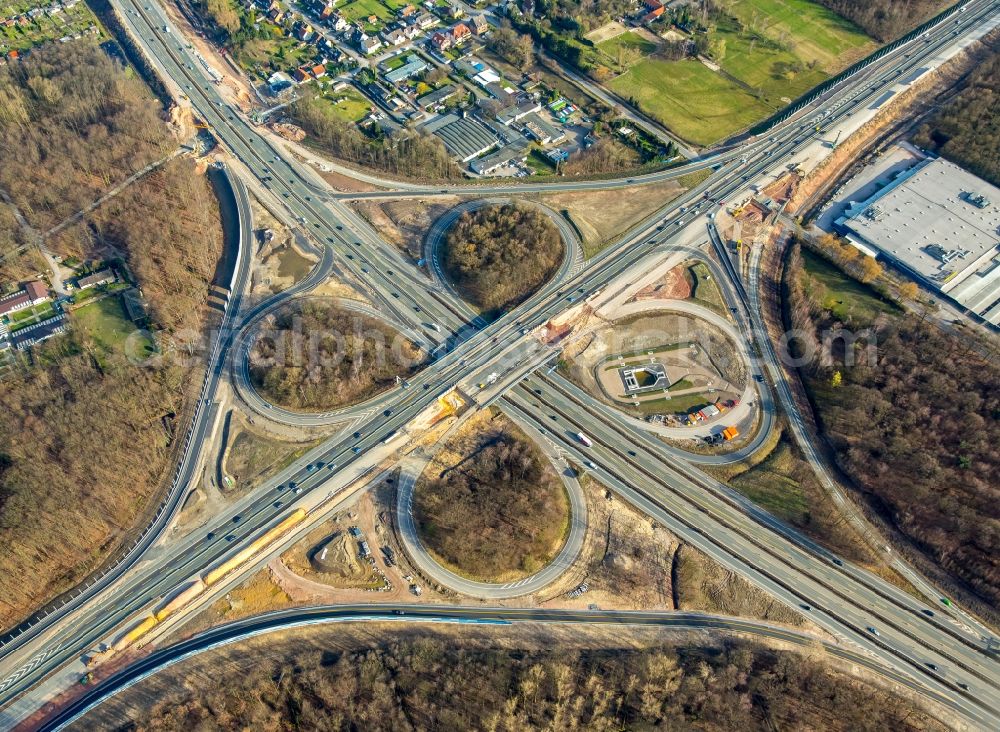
(572, 248)
(410, 472)
(284, 620)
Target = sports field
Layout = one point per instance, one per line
(692, 100)
(811, 31)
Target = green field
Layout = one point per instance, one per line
(772, 73)
(274, 54)
(814, 33)
(847, 299)
(361, 9)
(630, 40)
(691, 99)
(347, 104)
(106, 324)
(29, 316)
(770, 52)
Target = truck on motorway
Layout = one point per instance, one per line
(584, 440)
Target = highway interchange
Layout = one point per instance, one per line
(842, 599)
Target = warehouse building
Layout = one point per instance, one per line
(939, 223)
(465, 138)
(413, 66)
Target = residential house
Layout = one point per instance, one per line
(101, 277)
(301, 74)
(424, 21)
(654, 9)
(305, 32)
(394, 37)
(460, 33)
(479, 25)
(651, 16)
(318, 71)
(442, 40)
(406, 11)
(278, 82)
(32, 293)
(369, 45)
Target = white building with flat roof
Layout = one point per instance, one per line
(941, 224)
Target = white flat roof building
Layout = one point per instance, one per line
(940, 223)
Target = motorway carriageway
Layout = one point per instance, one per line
(769, 153)
(714, 518)
(781, 145)
(285, 620)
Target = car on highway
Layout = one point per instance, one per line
(277, 504)
(872, 630)
(932, 666)
(209, 536)
(231, 537)
(310, 468)
(237, 518)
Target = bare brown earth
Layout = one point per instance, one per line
(405, 222)
(599, 223)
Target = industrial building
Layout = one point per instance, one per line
(412, 66)
(939, 223)
(465, 138)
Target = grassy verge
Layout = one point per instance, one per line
(252, 458)
(847, 299)
(704, 289)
